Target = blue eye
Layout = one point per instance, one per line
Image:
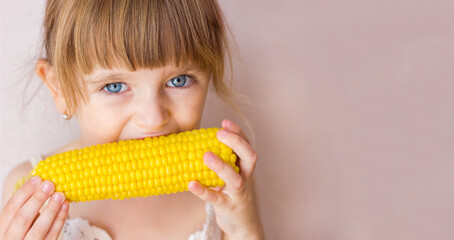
(115, 87)
(179, 81)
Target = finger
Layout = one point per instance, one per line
(46, 219)
(23, 219)
(208, 195)
(217, 188)
(36, 217)
(16, 202)
(59, 222)
(248, 156)
(233, 127)
(233, 181)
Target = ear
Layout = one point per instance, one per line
(45, 71)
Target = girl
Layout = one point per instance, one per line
(130, 69)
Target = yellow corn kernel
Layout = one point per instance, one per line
(135, 168)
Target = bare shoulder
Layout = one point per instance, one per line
(24, 168)
(14, 175)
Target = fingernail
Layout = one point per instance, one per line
(209, 159)
(47, 188)
(35, 180)
(225, 123)
(58, 197)
(194, 187)
(65, 206)
(222, 133)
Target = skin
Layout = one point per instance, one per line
(235, 203)
(148, 104)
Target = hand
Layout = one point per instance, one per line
(21, 219)
(234, 204)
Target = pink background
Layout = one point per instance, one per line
(351, 109)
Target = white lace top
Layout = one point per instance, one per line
(80, 229)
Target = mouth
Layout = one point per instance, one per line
(151, 136)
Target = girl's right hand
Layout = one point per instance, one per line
(20, 218)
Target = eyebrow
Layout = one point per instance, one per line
(102, 77)
(115, 76)
(189, 68)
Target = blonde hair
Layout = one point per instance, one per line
(80, 35)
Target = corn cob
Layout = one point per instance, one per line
(135, 168)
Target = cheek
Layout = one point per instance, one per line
(188, 112)
(97, 125)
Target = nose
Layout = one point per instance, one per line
(151, 115)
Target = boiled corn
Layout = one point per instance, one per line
(135, 168)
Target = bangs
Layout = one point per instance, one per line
(82, 35)
(147, 34)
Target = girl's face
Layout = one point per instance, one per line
(133, 105)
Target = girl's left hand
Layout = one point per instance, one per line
(234, 204)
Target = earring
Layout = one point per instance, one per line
(66, 116)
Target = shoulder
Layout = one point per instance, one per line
(13, 176)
